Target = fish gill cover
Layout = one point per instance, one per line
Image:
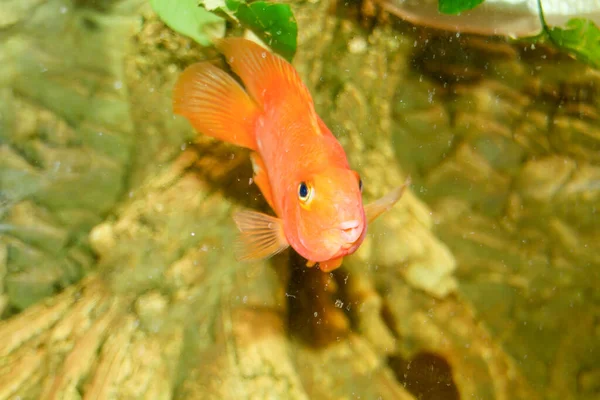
(201, 20)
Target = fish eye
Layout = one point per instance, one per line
(304, 192)
(360, 184)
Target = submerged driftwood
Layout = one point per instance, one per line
(115, 250)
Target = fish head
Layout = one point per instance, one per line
(324, 216)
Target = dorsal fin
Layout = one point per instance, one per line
(268, 78)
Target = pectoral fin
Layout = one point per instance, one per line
(261, 236)
(261, 178)
(378, 207)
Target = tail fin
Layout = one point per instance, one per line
(215, 104)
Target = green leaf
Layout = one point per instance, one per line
(457, 6)
(202, 19)
(581, 37)
(273, 23)
(187, 18)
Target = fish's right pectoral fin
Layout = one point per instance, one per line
(378, 207)
(215, 104)
(261, 236)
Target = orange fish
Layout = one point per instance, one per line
(299, 166)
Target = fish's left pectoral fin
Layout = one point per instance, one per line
(378, 207)
(261, 236)
(261, 178)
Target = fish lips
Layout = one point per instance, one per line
(337, 242)
(351, 239)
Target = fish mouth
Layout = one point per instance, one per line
(351, 232)
(338, 241)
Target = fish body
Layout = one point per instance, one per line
(299, 166)
(296, 149)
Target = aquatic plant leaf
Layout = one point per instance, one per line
(581, 37)
(273, 23)
(457, 6)
(187, 18)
